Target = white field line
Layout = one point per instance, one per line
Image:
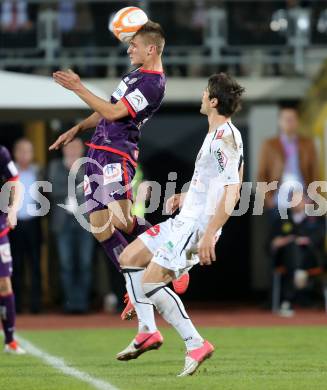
(60, 365)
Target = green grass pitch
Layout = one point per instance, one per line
(284, 358)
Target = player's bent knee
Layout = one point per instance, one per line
(125, 227)
(101, 225)
(104, 235)
(135, 254)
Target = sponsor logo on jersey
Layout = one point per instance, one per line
(220, 134)
(137, 100)
(120, 90)
(112, 193)
(178, 224)
(170, 246)
(132, 81)
(153, 231)
(112, 173)
(222, 160)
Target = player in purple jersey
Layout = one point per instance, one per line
(114, 145)
(8, 220)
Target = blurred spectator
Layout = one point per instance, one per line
(66, 15)
(74, 243)
(296, 245)
(26, 239)
(14, 16)
(17, 31)
(76, 27)
(287, 158)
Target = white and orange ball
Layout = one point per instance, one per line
(126, 22)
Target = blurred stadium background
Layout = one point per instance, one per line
(278, 52)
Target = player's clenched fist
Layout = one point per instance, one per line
(206, 249)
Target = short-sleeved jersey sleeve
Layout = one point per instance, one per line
(145, 95)
(227, 158)
(8, 170)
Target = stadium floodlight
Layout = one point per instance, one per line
(279, 22)
(303, 21)
(322, 22)
(301, 24)
(295, 24)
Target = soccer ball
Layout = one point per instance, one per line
(126, 22)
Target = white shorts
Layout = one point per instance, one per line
(173, 244)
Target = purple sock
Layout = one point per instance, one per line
(8, 316)
(114, 246)
(140, 226)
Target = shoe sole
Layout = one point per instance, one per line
(14, 353)
(137, 353)
(208, 356)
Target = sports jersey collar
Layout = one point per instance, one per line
(142, 70)
(220, 127)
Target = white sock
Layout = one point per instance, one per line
(143, 306)
(172, 310)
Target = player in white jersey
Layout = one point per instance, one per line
(169, 249)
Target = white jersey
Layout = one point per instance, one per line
(216, 166)
(174, 243)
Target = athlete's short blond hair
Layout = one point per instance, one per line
(152, 33)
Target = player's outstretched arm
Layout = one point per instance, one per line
(175, 202)
(207, 243)
(16, 192)
(64, 139)
(70, 80)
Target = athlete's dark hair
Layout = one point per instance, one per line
(228, 92)
(153, 34)
(289, 106)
